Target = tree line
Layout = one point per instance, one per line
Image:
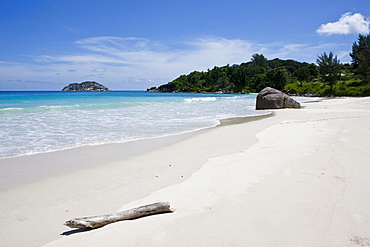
(327, 77)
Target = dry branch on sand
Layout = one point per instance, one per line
(102, 220)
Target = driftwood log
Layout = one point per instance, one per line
(102, 220)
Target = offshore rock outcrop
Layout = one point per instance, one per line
(86, 86)
(270, 98)
(166, 88)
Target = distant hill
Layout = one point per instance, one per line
(247, 77)
(85, 86)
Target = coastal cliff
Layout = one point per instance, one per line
(85, 86)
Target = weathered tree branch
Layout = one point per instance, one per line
(102, 220)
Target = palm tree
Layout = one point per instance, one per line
(329, 68)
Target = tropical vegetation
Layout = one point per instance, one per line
(327, 77)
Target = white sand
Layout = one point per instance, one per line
(299, 178)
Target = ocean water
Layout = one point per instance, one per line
(36, 122)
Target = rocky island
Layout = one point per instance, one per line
(85, 86)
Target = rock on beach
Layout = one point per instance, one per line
(270, 98)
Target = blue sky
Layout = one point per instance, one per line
(136, 44)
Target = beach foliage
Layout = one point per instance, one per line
(329, 68)
(352, 87)
(326, 78)
(247, 77)
(361, 57)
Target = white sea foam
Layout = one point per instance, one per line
(201, 99)
(58, 106)
(11, 109)
(49, 127)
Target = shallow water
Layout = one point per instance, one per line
(36, 122)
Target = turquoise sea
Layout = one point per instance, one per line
(36, 122)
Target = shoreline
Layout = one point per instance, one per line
(40, 167)
(39, 126)
(297, 178)
(190, 132)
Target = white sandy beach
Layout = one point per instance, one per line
(300, 177)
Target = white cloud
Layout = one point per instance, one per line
(99, 70)
(348, 23)
(136, 63)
